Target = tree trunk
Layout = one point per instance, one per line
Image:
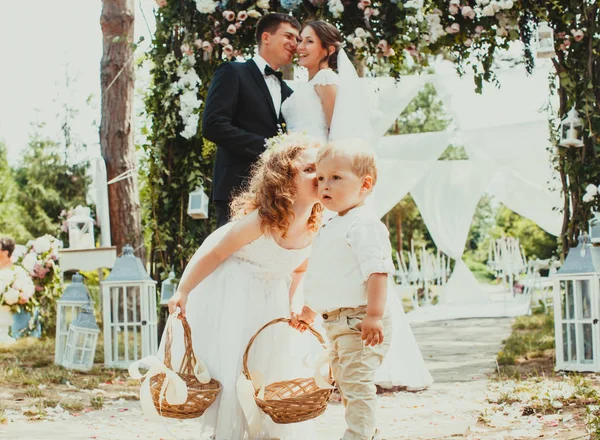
(116, 127)
(399, 230)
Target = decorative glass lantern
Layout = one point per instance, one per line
(129, 310)
(82, 340)
(167, 289)
(571, 134)
(576, 296)
(198, 204)
(73, 299)
(81, 229)
(545, 41)
(595, 228)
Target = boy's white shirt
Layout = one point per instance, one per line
(345, 252)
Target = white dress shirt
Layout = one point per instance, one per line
(346, 252)
(272, 82)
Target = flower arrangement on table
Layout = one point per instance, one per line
(39, 261)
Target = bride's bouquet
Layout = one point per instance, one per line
(16, 289)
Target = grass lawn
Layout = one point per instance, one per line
(30, 382)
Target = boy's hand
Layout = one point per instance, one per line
(307, 315)
(179, 299)
(371, 330)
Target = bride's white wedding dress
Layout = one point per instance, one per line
(224, 311)
(303, 112)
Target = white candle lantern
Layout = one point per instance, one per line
(82, 341)
(167, 289)
(545, 41)
(576, 300)
(68, 306)
(81, 229)
(571, 133)
(198, 204)
(129, 310)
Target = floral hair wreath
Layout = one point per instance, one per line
(288, 140)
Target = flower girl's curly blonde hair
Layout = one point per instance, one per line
(272, 189)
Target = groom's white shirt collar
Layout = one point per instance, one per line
(261, 63)
(273, 83)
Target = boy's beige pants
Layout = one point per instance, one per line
(354, 367)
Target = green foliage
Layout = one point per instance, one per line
(47, 185)
(531, 336)
(536, 242)
(11, 213)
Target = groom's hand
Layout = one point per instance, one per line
(371, 330)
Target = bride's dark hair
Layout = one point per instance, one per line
(329, 36)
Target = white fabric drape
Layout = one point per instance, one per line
(447, 197)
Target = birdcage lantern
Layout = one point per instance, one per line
(545, 41)
(576, 298)
(81, 229)
(571, 133)
(167, 289)
(198, 204)
(129, 312)
(81, 341)
(68, 306)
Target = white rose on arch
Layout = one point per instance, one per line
(591, 191)
(206, 6)
(29, 261)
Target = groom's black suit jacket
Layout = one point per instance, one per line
(239, 116)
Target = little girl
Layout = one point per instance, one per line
(348, 279)
(244, 275)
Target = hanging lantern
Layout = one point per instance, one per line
(73, 299)
(545, 41)
(198, 204)
(167, 289)
(571, 133)
(130, 315)
(81, 229)
(82, 341)
(576, 295)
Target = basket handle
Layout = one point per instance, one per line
(189, 358)
(315, 333)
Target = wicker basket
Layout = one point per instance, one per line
(295, 400)
(200, 396)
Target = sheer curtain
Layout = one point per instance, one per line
(447, 197)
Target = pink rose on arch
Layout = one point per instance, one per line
(468, 42)
(198, 43)
(224, 41)
(161, 3)
(468, 12)
(207, 47)
(478, 29)
(383, 45)
(362, 4)
(453, 9)
(217, 40)
(238, 25)
(38, 288)
(368, 12)
(228, 50)
(229, 15)
(577, 35)
(186, 49)
(231, 29)
(454, 28)
(242, 15)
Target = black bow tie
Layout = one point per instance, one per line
(269, 71)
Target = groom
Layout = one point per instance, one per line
(243, 107)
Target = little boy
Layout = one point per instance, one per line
(346, 280)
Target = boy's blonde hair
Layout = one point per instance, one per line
(362, 154)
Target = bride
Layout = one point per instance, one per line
(331, 106)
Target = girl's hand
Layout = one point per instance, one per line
(307, 316)
(178, 300)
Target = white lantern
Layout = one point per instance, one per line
(81, 342)
(576, 298)
(167, 289)
(81, 229)
(545, 41)
(73, 299)
(129, 310)
(571, 134)
(198, 204)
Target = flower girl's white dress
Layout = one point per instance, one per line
(246, 291)
(303, 112)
